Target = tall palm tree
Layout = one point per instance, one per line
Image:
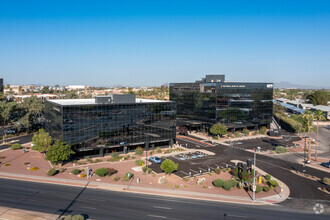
(309, 116)
(318, 116)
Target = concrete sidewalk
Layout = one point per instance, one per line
(145, 190)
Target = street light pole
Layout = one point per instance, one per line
(254, 173)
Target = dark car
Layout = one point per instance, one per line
(155, 159)
(11, 131)
(326, 164)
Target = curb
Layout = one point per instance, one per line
(141, 190)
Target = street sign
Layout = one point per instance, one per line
(254, 188)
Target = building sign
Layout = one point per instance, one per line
(233, 86)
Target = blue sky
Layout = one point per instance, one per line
(137, 43)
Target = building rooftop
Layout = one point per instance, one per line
(66, 102)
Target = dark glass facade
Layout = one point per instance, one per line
(237, 105)
(1, 85)
(112, 126)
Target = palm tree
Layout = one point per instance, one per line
(318, 116)
(309, 116)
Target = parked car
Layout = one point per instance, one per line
(155, 159)
(307, 161)
(11, 131)
(326, 164)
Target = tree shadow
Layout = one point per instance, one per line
(73, 201)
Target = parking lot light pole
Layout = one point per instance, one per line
(254, 173)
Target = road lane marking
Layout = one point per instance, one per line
(157, 216)
(237, 216)
(87, 207)
(161, 207)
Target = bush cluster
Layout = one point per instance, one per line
(128, 176)
(227, 185)
(138, 151)
(75, 171)
(139, 162)
(16, 147)
(268, 177)
(144, 169)
(52, 172)
(218, 182)
(280, 149)
(266, 188)
(273, 183)
(258, 188)
(246, 131)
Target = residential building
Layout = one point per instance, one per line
(237, 105)
(116, 122)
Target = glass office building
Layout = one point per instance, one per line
(1, 85)
(235, 104)
(111, 123)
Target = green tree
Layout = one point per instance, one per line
(6, 111)
(319, 97)
(168, 166)
(218, 129)
(41, 141)
(318, 115)
(59, 152)
(30, 110)
(309, 116)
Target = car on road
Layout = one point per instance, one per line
(155, 159)
(326, 164)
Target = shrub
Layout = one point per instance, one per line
(245, 175)
(227, 185)
(114, 154)
(128, 176)
(186, 179)
(168, 166)
(159, 150)
(233, 182)
(7, 164)
(263, 130)
(271, 187)
(266, 188)
(326, 180)
(116, 178)
(33, 168)
(144, 169)
(88, 158)
(217, 170)
(273, 183)
(138, 151)
(101, 172)
(139, 162)
(82, 175)
(235, 171)
(149, 170)
(236, 133)
(61, 170)
(151, 153)
(127, 157)
(26, 163)
(230, 135)
(113, 159)
(268, 177)
(51, 172)
(215, 137)
(16, 147)
(75, 171)
(111, 171)
(218, 182)
(2, 157)
(280, 149)
(78, 217)
(246, 131)
(258, 188)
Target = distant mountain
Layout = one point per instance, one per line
(287, 85)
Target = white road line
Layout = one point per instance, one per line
(183, 172)
(237, 216)
(161, 207)
(201, 169)
(157, 216)
(193, 171)
(87, 207)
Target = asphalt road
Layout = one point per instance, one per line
(102, 204)
(300, 187)
(16, 140)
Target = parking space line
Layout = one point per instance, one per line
(201, 169)
(184, 172)
(193, 171)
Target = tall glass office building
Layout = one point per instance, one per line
(1, 85)
(111, 123)
(235, 104)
